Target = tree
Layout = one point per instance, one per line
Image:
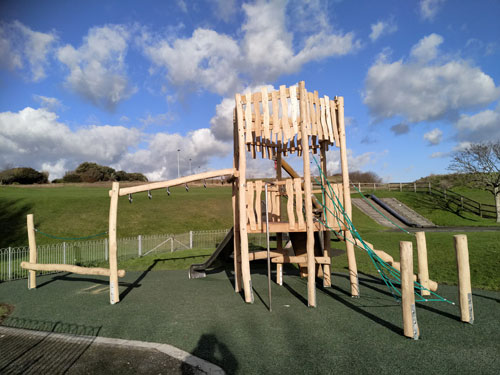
(481, 163)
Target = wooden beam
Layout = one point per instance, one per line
(176, 181)
(33, 251)
(70, 268)
(114, 293)
(300, 259)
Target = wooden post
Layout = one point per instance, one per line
(414, 187)
(423, 270)
(236, 221)
(242, 204)
(464, 286)
(351, 257)
(327, 281)
(400, 186)
(311, 266)
(279, 236)
(480, 211)
(114, 293)
(430, 189)
(410, 324)
(33, 251)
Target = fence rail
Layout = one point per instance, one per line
(89, 253)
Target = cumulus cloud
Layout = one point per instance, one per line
(224, 9)
(429, 8)
(23, 49)
(400, 129)
(480, 127)
(434, 137)
(355, 162)
(382, 28)
(51, 104)
(160, 119)
(222, 64)
(425, 89)
(97, 69)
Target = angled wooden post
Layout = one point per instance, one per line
(410, 324)
(242, 205)
(423, 269)
(311, 265)
(464, 285)
(351, 257)
(33, 251)
(114, 292)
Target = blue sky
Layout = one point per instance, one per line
(127, 83)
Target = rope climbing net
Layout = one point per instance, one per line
(390, 275)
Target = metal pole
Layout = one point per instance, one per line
(10, 264)
(178, 163)
(190, 239)
(106, 249)
(268, 254)
(64, 252)
(139, 240)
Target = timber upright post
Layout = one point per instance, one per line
(423, 268)
(311, 264)
(33, 251)
(349, 243)
(242, 204)
(236, 223)
(327, 281)
(279, 236)
(464, 286)
(114, 293)
(410, 325)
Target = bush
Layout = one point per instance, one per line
(72, 177)
(23, 176)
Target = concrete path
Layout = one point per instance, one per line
(36, 352)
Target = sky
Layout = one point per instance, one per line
(128, 83)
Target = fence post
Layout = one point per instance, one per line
(64, 252)
(171, 244)
(106, 249)
(480, 211)
(139, 240)
(190, 239)
(462, 202)
(10, 264)
(444, 190)
(415, 187)
(464, 286)
(400, 186)
(359, 186)
(410, 325)
(423, 270)
(389, 186)
(374, 186)
(430, 192)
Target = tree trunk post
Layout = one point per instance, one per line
(33, 250)
(410, 325)
(464, 285)
(423, 269)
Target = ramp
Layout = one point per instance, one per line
(368, 210)
(225, 248)
(407, 212)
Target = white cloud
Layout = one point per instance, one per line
(22, 48)
(423, 89)
(355, 162)
(382, 28)
(222, 64)
(225, 9)
(97, 67)
(434, 137)
(222, 123)
(160, 119)
(34, 137)
(51, 104)
(427, 48)
(429, 8)
(400, 129)
(480, 127)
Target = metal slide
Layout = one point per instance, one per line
(225, 248)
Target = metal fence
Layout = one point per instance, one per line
(91, 253)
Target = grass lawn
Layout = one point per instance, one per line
(205, 317)
(77, 211)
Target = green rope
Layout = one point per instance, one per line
(70, 238)
(387, 272)
(375, 208)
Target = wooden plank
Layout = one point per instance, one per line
(248, 118)
(265, 108)
(295, 109)
(289, 204)
(70, 268)
(276, 128)
(257, 255)
(298, 202)
(312, 114)
(258, 199)
(250, 204)
(284, 114)
(33, 250)
(324, 126)
(277, 206)
(328, 119)
(284, 227)
(317, 111)
(335, 125)
(114, 293)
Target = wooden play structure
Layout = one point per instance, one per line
(274, 125)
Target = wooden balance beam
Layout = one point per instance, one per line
(70, 268)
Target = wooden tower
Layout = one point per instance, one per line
(274, 125)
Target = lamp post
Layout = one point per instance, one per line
(178, 164)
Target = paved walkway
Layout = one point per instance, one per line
(36, 352)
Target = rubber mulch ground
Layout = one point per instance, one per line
(206, 318)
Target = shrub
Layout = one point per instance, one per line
(23, 176)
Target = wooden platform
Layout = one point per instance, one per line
(284, 227)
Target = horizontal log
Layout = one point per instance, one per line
(69, 268)
(256, 255)
(300, 259)
(177, 181)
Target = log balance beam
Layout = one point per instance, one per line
(69, 268)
